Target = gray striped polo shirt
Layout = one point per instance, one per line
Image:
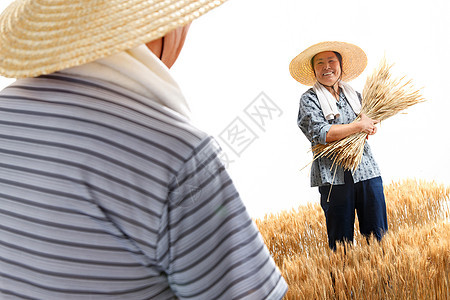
(105, 195)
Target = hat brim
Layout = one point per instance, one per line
(354, 61)
(41, 37)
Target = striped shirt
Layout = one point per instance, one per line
(103, 195)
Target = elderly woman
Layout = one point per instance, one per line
(325, 115)
(106, 188)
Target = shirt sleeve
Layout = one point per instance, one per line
(311, 120)
(214, 249)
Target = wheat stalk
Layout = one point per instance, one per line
(382, 98)
(402, 266)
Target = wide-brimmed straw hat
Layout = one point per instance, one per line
(40, 37)
(354, 61)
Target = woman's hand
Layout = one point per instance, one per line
(367, 125)
(340, 131)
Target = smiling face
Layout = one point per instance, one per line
(327, 68)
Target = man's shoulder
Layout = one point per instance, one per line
(110, 110)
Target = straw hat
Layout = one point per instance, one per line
(354, 61)
(41, 37)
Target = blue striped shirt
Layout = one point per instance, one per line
(103, 195)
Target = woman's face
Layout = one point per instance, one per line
(327, 68)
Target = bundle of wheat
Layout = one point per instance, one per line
(382, 98)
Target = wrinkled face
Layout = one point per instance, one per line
(327, 68)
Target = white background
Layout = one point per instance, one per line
(244, 47)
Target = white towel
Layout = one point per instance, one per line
(328, 102)
(140, 71)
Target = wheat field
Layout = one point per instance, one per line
(411, 262)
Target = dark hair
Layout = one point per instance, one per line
(339, 57)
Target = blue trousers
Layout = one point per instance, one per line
(366, 197)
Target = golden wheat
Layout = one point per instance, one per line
(382, 97)
(411, 262)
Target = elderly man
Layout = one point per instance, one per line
(106, 189)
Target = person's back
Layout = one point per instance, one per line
(104, 194)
